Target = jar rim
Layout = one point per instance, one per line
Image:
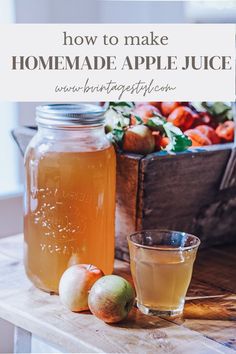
(71, 115)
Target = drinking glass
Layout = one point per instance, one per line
(161, 265)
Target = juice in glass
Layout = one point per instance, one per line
(161, 271)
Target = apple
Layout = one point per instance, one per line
(209, 132)
(111, 298)
(168, 107)
(138, 139)
(157, 104)
(197, 137)
(75, 284)
(145, 112)
(182, 117)
(161, 141)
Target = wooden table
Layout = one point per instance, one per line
(208, 327)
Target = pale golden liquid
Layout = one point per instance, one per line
(69, 218)
(162, 278)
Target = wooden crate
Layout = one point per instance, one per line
(193, 192)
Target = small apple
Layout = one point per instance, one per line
(139, 139)
(168, 107)
(209, 132)
(161, 141)
(182, 117)
(157, 104)
(197, 137)
(75, 284)
(111, 298)
(225, 131)
(145, 111)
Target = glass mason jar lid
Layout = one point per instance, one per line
(70, 115)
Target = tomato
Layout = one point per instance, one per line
(182, 117)
(145, 112)
(225, 131)
(198, 139)
(168, 107)
(209, 132)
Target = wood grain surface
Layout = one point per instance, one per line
(208, 325)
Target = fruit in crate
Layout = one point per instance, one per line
(111, 298)
(168, 107)
(204, 118)
(175, 126)
(138, 139)
(161, 142)
(182, 117)
(75, 284)
(156, 104)
(225, 131)
(209, 132)
(197, 137)
(144, 111)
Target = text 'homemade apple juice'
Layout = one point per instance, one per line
(69, 214)
(162, 278)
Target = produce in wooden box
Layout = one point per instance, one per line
(75, 284)
(161, 142)
(175, 126)
(182, 117)
(123, 122)
(145, 112)
(156, 104)
(168, 107)
(209, 132)
(225, 131)
(138, 139)
(204, 118)
(197, 137)
(111, 298)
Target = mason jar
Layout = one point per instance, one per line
(70, 194)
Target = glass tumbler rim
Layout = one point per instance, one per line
(166, 249)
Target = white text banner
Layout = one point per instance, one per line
(111, 62)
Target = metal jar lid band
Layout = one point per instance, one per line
(70, 115)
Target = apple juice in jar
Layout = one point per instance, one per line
(70, 194)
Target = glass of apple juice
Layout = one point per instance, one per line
(161, 264)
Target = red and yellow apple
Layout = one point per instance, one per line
(111, 298)
(145, 111)
(168, 107)
(75, 284)
(139, 139)
(182, 117)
